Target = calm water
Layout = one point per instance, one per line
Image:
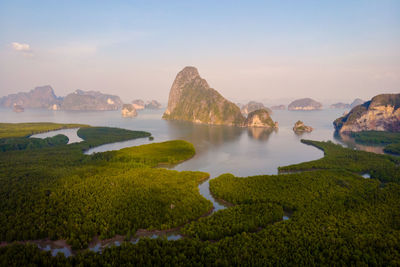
(219, 149)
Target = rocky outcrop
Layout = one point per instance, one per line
(192, 99)
(381, 113)
(90, 100)
(300, 127)
(253, 106)
(305, 104)
(138, 104)
(340, 105)
(153, 104)
(128, 110)
(356, 102)
(39, 97)
(18, 108)
(260, 118)
(279, 107)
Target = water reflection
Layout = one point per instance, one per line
(350, 142)
(259, 133)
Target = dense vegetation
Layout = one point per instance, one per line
(60, 193)
(27, 129)
(235, 220)
(385, 168)
(391, 140)
(22, 143)
(338, 217)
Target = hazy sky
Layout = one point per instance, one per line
(259, 50)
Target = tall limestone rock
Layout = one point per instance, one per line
(192, 99)
(381, 113)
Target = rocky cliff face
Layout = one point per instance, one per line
(39, 97)
(192, 99)
(300, 127)
(253, 106)
(260, 118)
(90, 100)
(128, 110)
(305, 104)
(381, 113)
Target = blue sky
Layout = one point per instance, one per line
(261, 50)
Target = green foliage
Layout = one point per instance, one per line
(385, 168)
(22, 143)
(393, 148)
(376, 137)
(26, 129)
(60, 193)
(234, 220)
(390, 139)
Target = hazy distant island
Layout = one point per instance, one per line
(340, 105)
(192, 99)
(300, 127)
(138, 104)
(278, 107)
(18, 108)
(356, 102)
(253, 106)
(305, 104)
(39, 97)
(153, 104)
(128, 110)
(43, 97)
(381, 113)
(90, 100)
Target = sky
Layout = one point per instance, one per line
(271, 51)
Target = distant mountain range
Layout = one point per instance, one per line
(45, 98)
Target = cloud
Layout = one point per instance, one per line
(25, 49)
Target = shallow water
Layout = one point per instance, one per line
(72, 135)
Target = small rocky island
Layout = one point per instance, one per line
(300, 127)
(18, 108)
(381, 113)
(128, 111)
(138, 104)
(253, 106)
(153, 104)
(260, 118)
(305, 104)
